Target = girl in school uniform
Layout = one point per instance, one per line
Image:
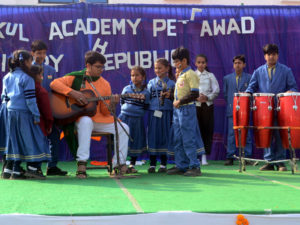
(43, 103)
(161, 91)
(132, 113)
(208, 91)
(26, 141)
(6, 168)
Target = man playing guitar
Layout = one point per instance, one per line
(90, 79)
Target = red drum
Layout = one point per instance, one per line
(241, 109)
(263, 115)
(288, 107)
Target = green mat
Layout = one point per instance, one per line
(219, 190)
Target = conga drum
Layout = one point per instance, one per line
(288, 107)
(241, 113)
(263, 115)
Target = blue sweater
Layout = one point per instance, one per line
(20, 89)
(131, 106)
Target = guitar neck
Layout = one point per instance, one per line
(95, 99)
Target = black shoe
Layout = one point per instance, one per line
(162, 170)
(194, 172)
(228, 162)
(175, 171)
(20, 176)
(151, 170)
(55, 171)
(6, 175)
(36, 174)
(267, 167)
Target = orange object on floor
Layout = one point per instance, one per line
(98, 163)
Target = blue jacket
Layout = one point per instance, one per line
(230, 87)
(282, 81)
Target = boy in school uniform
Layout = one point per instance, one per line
(233, 83)
(187, 138)
(273, 77)
(39, 51)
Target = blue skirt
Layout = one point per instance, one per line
(26, 141)
(3, 128)
(138, 134)
(159, 132)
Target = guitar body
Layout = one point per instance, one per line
(66, 110)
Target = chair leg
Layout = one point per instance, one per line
(110, 147)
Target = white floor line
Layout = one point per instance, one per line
(134, 202)
(273, 181)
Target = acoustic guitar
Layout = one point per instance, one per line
(66, 110)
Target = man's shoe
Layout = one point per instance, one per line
(281, 167)
(55, 171)
(175, 171)
(228, 162)
(267, 167)
(194, 172)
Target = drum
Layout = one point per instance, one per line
(288, 107)
(241, 109)
(263, 115)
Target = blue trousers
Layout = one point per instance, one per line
(186, 133)
(231, 148)
(276, 151)
(53, 139)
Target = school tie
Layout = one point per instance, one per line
(271, 74)
(237, 79)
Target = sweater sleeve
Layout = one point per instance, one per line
(62, 85)
(30, 97)
(189, 98)
(44, 107)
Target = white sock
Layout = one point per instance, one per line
(32, 168)
(7, 170)
(162, 166)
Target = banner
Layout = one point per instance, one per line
(130, 35)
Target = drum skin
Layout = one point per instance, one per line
(288, 107)
(241, 114)
(263, 116)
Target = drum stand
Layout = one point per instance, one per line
(242, 159)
